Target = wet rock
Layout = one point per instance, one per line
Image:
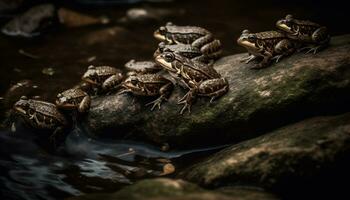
(148, 14)
(258, 101)
(302, 156)
(176, 190)
(32, 22)
(72, 18)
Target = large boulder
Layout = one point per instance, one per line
(161, 189)
(258, 101)
(309, 156)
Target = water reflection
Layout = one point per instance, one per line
(83, 165)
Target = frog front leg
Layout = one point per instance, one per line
(267, 57)
(188, 99)
(248, 58)
(282, 49)
(112, 82)
(200, 42)
(213, 88)
(84, 104)
(164, 92)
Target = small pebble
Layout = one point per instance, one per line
(48, 71)
(165, 147)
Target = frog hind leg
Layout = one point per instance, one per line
(212, 50)
(84, 105)
(213, 88)
(248, 58)
(200, 42)
(112, 82)
(320, 38)
(164, 92)
(282, 49)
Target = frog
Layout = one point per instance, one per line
(141, 67)
(196, 36)
(189, 51)
(41, 115)
(201, 79)
(268, 45)
(103, 78)
(73, 99)
(314, 35)
(148, 85)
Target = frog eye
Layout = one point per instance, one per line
(252, 38)
(91, 67)
(162, 29)
(169, 57)
(134, 81)
(246, 31)
(24, 98)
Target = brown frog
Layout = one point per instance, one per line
(200, 78)
(73, 99)
(142, 67)
(103, 78)
(41, 115)
(148, 85)
(189, 51)
(314, 35)
(269, 45)
(196, 36)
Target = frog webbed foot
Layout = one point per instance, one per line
(248, 59)
(157, 103)
(187, 100)
(278, 57)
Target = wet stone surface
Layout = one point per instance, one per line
(258, 100)
(162, 189)
(302, 159)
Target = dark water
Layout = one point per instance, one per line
(86, 165)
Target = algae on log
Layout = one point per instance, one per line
(309, 155)
(169, 189)
(258, 101)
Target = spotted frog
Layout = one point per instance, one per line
(73, 99)
(314, 35)
(142, 67)
(200, 78)
(103, 78)
(196, 36)
(148, 85)
(188, 51)
(269, 45)
(41, 115)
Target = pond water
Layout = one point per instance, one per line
(56, 60)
